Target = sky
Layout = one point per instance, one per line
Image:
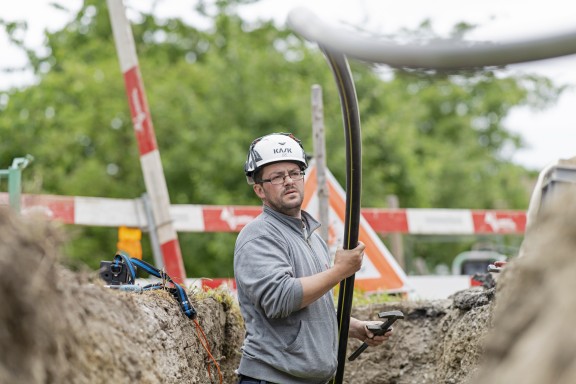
(549, 134)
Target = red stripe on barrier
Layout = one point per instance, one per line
(228, 219)
(219, 282)
(386, 220)
(139, 110)
(52, 207)
(173, 261)
(505, 222)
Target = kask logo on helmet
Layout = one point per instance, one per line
(282, 151)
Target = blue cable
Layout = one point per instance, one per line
(177, 291)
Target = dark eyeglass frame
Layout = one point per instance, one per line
(295, 175)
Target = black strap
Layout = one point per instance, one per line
(246, 379)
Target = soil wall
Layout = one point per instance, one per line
(58, 326)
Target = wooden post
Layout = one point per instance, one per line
(396, 238)
(149, 153)
(320, 158)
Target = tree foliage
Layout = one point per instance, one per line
(435, 140)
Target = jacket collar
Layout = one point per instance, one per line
(294, 222)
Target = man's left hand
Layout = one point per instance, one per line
(359, 331)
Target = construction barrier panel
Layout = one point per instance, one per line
(109, 212)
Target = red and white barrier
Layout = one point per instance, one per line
(379, 272)
(144, 130)
(108, 212)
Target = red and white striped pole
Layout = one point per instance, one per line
(149, 154)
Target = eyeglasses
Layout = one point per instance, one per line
(295, 175)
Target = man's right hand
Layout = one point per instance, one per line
(349, 261)
(346, 263)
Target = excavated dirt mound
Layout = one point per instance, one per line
(62, 327)
(437, 342)
(65, 327)
(57, 326)
(533, 340)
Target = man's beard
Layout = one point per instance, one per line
(290, 208)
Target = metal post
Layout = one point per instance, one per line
(14, 187)
(151, 228)
(320, 159)
(15, 180)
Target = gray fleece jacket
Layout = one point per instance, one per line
(284, 344)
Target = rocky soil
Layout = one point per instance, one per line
(58, 326)
(62, 327)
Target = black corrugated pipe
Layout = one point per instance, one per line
(351, 117)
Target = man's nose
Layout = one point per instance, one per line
(287, 179)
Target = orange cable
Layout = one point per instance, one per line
(207, 348)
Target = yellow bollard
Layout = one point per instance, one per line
(129, 241)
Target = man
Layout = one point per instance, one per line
(284, 278)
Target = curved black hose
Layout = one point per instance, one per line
(351, 117)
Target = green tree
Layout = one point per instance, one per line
(435, 140)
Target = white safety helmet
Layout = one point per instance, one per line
(273, 148)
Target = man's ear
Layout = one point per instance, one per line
(259, 190)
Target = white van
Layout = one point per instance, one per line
(475, 261)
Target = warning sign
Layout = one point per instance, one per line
(379, 271)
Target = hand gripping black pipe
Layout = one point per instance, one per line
(351, 117)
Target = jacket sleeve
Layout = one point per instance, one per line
(263, 270)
